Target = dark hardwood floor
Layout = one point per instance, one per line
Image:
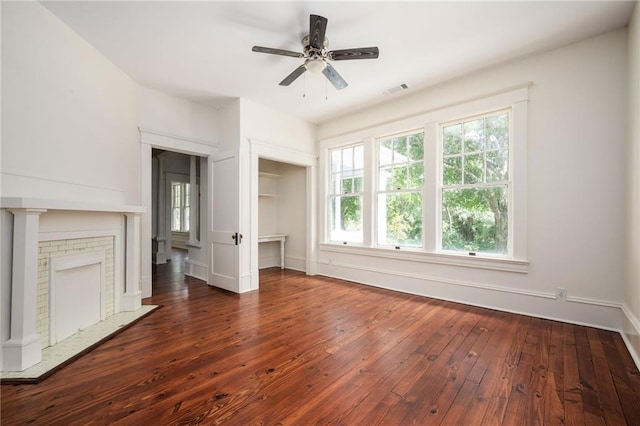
(313, 350)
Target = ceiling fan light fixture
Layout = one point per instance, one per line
(315, 65)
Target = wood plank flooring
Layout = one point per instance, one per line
(314, 350)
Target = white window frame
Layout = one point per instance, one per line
(377, 191)
(508, 182)
(184, 201)
(517, 100)
(331, 195)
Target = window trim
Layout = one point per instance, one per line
(377, 191)
(184, 200)
(440, 186)
(515, 98)
(330, 195)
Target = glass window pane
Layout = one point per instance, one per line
(335, 183)
(416, 175)
(347, 159)
(399, 178)
(175, 219)
(416, 147)
(385, 152)
(403, 224)
(473, 169)
(400, 150)
(357, 184)
(385, 178)
(497, 165)
(452, 172)
(473, 135)
(346, 219)
(475, 219)
(347, 186)
(498, 131)
(186, 194)
(358, 157)
(336, 161)
(175, 190)
(452, 139)
(186, 219)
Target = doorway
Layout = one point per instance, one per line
(152, 145)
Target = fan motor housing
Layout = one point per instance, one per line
(312, 52)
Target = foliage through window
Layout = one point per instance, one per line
(346, 191)
(399, 194)
(180, 206)
(475, 184)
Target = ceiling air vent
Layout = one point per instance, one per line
(396, 89)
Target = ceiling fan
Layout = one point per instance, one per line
(316, 54)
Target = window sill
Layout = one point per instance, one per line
(450, 259)
(193, 244)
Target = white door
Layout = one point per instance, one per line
(224, 232)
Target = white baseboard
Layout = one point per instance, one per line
(296, 263)
(269, 262)
(196, 269)
(290, 262)
(631, 334)
(600, 314)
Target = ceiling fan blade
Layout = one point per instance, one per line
(360, 53)
(317, 29)
(295, 74)
(335, 78)
(281, 52)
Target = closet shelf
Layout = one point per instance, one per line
(268, 175)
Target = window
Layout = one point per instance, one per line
(474, 195)
(180, 206)
(399, 194)
(345, 194)
(451, 191)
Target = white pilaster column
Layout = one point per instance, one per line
(193, 208)
(132, 297)
(24, 347)
(161, 238)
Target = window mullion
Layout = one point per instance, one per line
(432, 210)
(368, 188)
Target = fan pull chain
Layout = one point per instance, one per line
(304, 86)
(326, 90)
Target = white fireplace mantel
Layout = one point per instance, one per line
(46, 204)
(23, 349)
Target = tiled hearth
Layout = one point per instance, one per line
(57, 356)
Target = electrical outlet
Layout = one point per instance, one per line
(561, 293)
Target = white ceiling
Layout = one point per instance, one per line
(202, 50)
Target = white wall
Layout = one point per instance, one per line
(292, 218)
(632, 287)
(176, 116)
(267, 125)
(576, 187)
(230, 126)
(69, 115)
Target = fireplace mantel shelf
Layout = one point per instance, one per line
(49, 204)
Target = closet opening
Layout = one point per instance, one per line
(282, 215)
